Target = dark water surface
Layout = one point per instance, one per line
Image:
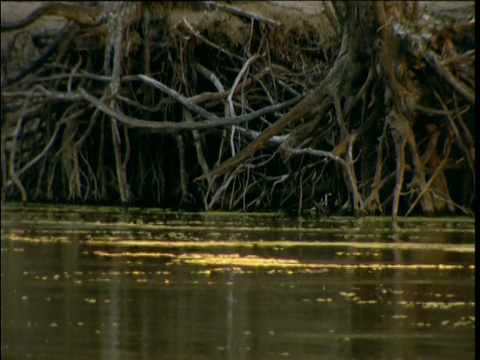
(108, 283)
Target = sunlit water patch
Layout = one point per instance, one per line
(85, 282)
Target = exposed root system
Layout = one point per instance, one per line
(366, 108)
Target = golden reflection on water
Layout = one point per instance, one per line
(152, 284)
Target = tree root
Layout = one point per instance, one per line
(156, 109)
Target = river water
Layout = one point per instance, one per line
(109, 283)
